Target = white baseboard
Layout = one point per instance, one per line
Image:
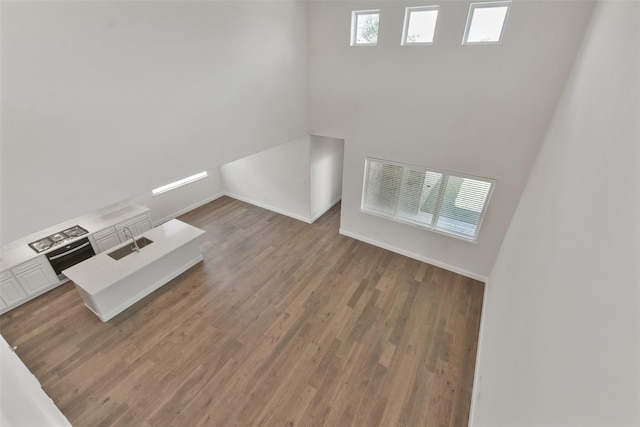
(324, 211)
(475, 391)
(413, 255)
(269, 207)
(246, 200)
(188, 208)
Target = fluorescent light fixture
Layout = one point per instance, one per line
(419, 25)
(179, 183)
(485, 22)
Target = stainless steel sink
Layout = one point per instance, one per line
(130, 248)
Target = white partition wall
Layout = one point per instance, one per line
(23, 402)
(301, 178)
(325, 171)
(560, 339)
(276, 179)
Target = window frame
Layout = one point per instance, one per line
(405, 27)
(445, 175)
(354, 26)
(486, 5)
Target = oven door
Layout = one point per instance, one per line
(70, 255)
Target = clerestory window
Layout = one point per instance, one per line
(485, 23)
(419, 25)
(364, 27)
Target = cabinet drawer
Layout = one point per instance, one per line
(102, 233)
(34, 263)
(5, 275)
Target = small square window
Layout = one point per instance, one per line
(485, 23)
(419, 25)
(364, 27)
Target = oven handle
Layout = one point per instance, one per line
(69, 251)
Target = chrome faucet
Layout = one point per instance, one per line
(135, 244)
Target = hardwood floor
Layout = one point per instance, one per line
(283, 324)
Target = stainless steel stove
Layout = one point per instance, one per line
(57, 238)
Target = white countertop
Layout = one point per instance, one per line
(101, 271)
(19, 251)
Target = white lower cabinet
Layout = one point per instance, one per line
(144, 225)
(137, 225)
(11, 293)
(36, 275)
(26, 281)
(113, 236)
(106, 239)
(33, 281)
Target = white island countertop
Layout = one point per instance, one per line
(101, 271)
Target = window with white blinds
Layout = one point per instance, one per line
(440, 201)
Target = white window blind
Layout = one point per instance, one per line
(441, 201)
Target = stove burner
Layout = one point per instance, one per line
(75, 231)
(41, 245)
(57, 238)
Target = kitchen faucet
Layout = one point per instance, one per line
(135, 244)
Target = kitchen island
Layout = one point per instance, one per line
(109, 286)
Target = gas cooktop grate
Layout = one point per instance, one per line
(57, 238)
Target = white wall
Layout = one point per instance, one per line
(276, 179)
(326, 159)
(301, 178)
(166, 206)
(479, 110)
(102, 101)
(560, 340)
(23, 402)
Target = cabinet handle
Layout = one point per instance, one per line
(69, 251)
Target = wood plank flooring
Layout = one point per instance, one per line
(283, 324)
